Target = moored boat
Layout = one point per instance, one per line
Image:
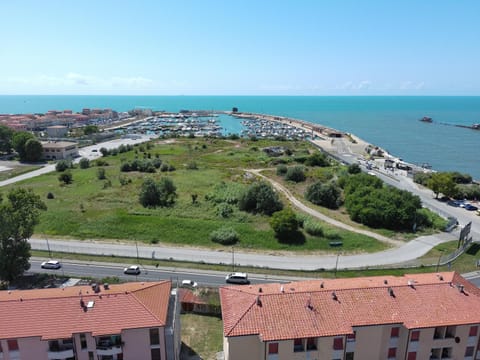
(426, 119)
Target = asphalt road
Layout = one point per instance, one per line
(102, 270)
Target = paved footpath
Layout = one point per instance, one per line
(405, 253)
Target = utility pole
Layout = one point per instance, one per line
(233, 258)
(336, 266)
(48, 247)
(136, 246)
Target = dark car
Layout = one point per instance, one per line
(470, 207)
(454, 203)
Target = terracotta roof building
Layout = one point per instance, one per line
(420, 316)
(126, 321)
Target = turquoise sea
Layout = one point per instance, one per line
(390, 122)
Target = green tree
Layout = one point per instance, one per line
(154, 194)
(260, 198)
(6, 135)
(442, 183)
(327, 195)
(19, 212)
(33, 150)
(90, 129)
(284, 223)
(19, 140)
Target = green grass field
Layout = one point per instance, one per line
(93, 208)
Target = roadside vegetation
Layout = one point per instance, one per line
(196, 192)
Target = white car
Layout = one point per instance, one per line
(237, 278)
(51, 264)
(189, 283)
(132, 270)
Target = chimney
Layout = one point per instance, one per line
(258, 301)
(390, 291)
(334, 296)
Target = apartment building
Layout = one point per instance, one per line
(411, 317)
(109, 322)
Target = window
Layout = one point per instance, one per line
(273, 348)
(83, 341)
(392, 353)
(351, 337)
(12, 345)
(450, 333)
(435, 353)
(154, 337)
(311, 344)
(415, 336)
(446, 353)
(297, 345)
(156, 354)
(1, 348)
(412, 355)
(349, 356)
(338, 343)
(473, 331)
(439, 332)
(469, 351)
(395, 332)
(90, 355)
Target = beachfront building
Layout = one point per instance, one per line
(109, 322)
(412, 317)
(58, 150)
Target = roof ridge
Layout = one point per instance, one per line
(133, 293)
(243, 315)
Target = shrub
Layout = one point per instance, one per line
(124, 180)
(354, 169)
(164, 167)
(295, 173)
(101, 174)
(281, 170)
(104, 151)
(65, 177)
(224, 210)
(62, 165)
(317, 159)
(224, 236)
(284, 223)
(84, 163)
(101, 162)
(50, 196)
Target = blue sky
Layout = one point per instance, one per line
(247, 47)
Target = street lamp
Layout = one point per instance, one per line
(233, 258)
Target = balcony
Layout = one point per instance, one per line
(109, 348)
(60, 349)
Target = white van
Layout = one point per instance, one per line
(237, 278)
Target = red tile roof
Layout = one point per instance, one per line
(57, 313)
(316, 308)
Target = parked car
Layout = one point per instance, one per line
(51, 264)
(237, 278)
(189, 283)
(454, 203)
(470, 207)
(132, 270)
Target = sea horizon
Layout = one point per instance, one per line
(389, 121)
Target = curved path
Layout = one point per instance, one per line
(297, 203)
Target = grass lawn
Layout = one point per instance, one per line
(109, 208)
(201, 335)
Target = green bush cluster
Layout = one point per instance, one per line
(224, 236)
